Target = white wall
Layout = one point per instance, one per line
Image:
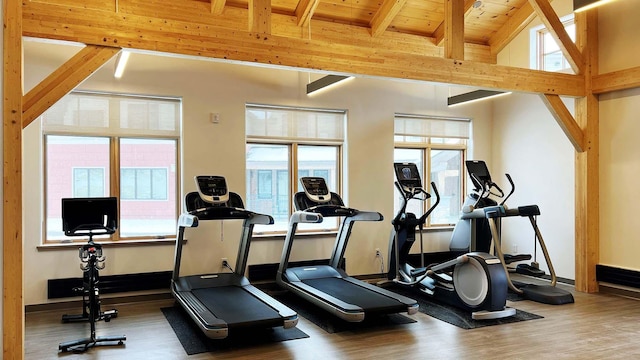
(539, 148)
(206, 87)
(619, 146)
(530, 146)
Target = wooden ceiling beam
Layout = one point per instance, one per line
(438, 34)
(385, 15)
(566, 121)
(217, 6)
(453, 29)
(305, 10)
(260, 16)
(550, 19)
(514, 25)
(616, 81)
(188, 38)
(63, 80)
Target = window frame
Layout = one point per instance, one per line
(537, 45)
(293, 178)
(113, 176)
(282, 125)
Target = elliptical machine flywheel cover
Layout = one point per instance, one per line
(471, 283)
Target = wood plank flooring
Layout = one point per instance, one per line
(597, 326)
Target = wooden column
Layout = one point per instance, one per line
(12, 299)
(587, 177)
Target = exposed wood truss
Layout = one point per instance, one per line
(63, 80)
(392, 38)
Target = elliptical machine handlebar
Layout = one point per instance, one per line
(424, 217)
(513, 188)
(412, 194)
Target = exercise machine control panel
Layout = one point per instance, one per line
(212, 189)
(316, 189)
(408, 177)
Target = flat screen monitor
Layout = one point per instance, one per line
(83, 216)
(478, 171)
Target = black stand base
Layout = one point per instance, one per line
(105, 315)
(82, 345)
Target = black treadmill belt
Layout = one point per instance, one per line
(368, 300)
(237, 307)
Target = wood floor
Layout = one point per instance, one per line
(597, 326)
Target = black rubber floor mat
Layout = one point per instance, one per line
(194, 341)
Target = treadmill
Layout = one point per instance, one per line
(221, 302)
(328, 286)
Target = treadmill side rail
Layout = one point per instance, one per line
(289, 316)
(412, 305)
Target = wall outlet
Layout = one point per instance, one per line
(378, 254)
(224, 262)
(515, 248)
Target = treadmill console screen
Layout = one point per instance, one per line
(212, 189)
(408, 176)
(478, 171)
(316, 189)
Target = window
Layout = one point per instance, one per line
(549, 57)
(113, 145)
(143, 184)
(281, 142)
(437, 145)
(264, 184)
(88, 182)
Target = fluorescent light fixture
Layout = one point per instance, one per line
(325, 83)
(582, 5)
(474, 96)
(121, 62)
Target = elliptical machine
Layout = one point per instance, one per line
(485, 218)
(475, 281)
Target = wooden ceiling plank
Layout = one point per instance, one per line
(616, 81)
(550, 19)
(63, 80)
(217, 6)
(260, 16)
(12, 244)
(305, 10)
(385, 15)
(147, 33)
(514, 25)
(453, 29)
(566, 121)
(438, 34)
